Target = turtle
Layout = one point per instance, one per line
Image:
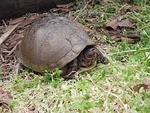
(58, 42)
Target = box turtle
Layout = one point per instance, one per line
(57, 42)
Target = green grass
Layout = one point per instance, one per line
(104, 89)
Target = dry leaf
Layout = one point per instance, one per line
(119, 22)
(125, 23)
(116, 28)
(131, 37)
(116, 38)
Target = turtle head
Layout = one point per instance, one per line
(90, 56)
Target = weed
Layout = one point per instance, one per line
(53, 77)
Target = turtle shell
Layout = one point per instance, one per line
(52, 42)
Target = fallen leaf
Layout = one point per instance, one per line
(119, 22)
(131, 37)
(116, 28)
(125, 23)
(116, 38)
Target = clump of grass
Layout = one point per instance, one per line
(54, 77)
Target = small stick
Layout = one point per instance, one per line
(2, 58)
(13, 49)
(7, 34)
(5, 25)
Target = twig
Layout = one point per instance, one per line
(7, 34)
(13, 49)
(2, 58)
(5, 25)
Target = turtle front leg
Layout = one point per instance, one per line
(70, 70)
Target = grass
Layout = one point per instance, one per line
(104, 89)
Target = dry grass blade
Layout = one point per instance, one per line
(81, 11)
